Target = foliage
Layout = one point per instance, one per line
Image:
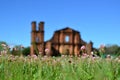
(4, 48)
(1, 47)
(60, 68)
(17, 50)
(112, 49)
(26, 51)
(16, 53)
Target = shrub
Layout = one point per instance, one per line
(26, 51)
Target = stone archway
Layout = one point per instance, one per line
(66, 50)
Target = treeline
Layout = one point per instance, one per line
(112, 49)
(14, 50)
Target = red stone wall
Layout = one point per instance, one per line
(58, 42)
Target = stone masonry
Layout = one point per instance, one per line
(64, 41)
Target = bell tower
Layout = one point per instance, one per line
(37, 38)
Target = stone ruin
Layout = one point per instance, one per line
(64, 41)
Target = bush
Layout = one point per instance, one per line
(112, 50)
(26, 51)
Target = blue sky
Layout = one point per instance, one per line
(97, 20)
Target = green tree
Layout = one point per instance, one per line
(17, 50)
(4, 47)
(112, 49)
(118, 51)
(26, 51)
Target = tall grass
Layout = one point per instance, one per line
(60, 68)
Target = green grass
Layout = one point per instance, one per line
(60, 68)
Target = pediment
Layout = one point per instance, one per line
(67, 29)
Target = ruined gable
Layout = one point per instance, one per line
(64, 41)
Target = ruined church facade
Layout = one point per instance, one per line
(64, 41)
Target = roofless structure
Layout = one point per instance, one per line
(64, 41)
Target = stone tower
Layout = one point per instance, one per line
(37, 38)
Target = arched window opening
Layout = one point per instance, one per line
(37, 39)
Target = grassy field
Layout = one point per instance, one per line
(58, 68)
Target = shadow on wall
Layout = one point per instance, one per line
(56, 52)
